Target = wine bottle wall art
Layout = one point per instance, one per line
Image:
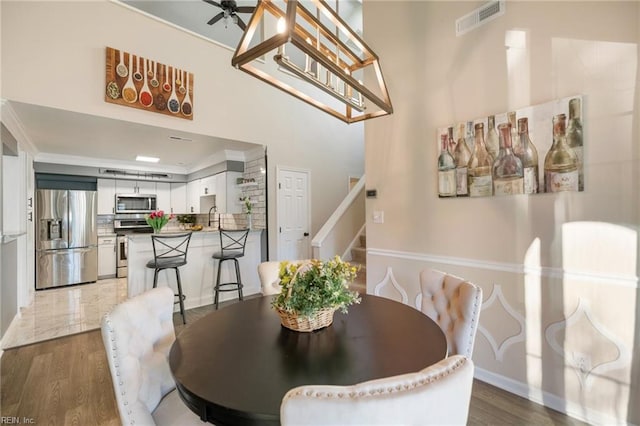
(531, 150)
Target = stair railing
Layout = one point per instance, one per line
(341, 230)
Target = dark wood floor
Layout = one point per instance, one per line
(66, 381)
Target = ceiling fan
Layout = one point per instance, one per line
(230, 10)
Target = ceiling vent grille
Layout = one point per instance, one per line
(480, 16)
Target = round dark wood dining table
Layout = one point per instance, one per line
(233, 366)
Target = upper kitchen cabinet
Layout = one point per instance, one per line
(193, 196)
(135, 187)
(208, 185)
(106, 196)
(179, 198)
(228, 192)
(163, 196)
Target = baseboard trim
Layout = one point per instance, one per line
(9, 332)
(546, 399)
(515, 268)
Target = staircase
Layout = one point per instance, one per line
(359, 258)
(343, 234)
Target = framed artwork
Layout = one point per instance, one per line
(536, 149)
(142, 83)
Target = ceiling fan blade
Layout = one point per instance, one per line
(214, 3)
(216, 18)
(241, 23)
(245, 9)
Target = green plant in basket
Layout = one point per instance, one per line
(308, 287)
(186, 219)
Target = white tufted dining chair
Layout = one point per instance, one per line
(269, 274)
(137, 336)
(454, 304)
(437, 395)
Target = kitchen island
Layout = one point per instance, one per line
(199, 274)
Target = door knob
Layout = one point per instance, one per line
(306, 234)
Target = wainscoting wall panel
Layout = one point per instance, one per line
(543, 334)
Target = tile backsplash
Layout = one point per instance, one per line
(105, 224)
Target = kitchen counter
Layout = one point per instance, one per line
(199, 274)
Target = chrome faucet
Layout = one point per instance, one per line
(214, 208)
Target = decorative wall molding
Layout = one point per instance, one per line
(581, 362)
(522, 389)
(390, 279)
(15, 126)
(448, 260)
(501, 348)
(515, 268)
(546, 399)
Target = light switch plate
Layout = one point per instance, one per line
(378, 216)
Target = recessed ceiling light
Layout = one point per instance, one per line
(147, 159)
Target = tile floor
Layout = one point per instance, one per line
(63, 311)
(70, 310)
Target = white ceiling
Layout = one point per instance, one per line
(193, 15)
(60, 132)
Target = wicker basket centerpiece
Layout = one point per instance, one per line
(311, 292)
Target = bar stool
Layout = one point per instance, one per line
(232, 244)
(170, 252)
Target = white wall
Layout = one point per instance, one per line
(53, 54)
(559, 271)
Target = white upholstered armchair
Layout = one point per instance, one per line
(137, 336)
(438, 395)
(269, 281)
(454, 304)
(269, 273)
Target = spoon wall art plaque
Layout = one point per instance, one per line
(149, 92)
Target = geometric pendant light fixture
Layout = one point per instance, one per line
(310, 52)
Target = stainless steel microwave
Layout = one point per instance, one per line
(135, 203)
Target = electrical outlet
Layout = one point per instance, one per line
(378, 216)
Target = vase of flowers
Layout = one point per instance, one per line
(311, 292)
(157, 220)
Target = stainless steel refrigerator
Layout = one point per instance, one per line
(66, 237)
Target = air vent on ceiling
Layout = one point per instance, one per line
(480, 16)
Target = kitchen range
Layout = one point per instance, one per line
(130, 219)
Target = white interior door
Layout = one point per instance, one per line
(294, 218)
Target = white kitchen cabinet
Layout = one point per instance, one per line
(124, 186)
(163, 196)
(106, 256)
(106, 196)
(179, 198)
(146, 187)
(14, 206)
(228, 192)
(193, 196)
(208, 185)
